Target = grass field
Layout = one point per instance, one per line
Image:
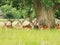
(29, 37)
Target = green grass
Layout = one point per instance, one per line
(29, 37)
(3, 20)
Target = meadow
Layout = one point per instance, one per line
(16, 36)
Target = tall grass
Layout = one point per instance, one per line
(29, 37)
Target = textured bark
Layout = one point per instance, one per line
(51, 18)
(45, 16)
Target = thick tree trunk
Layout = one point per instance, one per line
(44, 16)
(50, 16)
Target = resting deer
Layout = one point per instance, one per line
(58, 26)
(9, 24)
(36, 24)
(46, 27)
(27, 24)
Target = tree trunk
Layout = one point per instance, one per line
(51, 18)
(45, 16)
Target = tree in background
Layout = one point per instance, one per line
(44, 9)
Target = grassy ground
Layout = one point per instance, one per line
(3, 20)
(29, 37)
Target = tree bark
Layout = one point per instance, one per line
(45, 16)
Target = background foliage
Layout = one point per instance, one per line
(23, 8)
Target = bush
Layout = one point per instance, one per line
(57, 15)
(10, 12)
(6, 10)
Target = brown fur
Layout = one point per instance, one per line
(46, 27)
(27, 26)
(58, 26)
(40, 26)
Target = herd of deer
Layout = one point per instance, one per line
(26, 24)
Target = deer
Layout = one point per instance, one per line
(27, 24)
(58, 26)
(9, 23)
(36, 24)
(18, 25)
